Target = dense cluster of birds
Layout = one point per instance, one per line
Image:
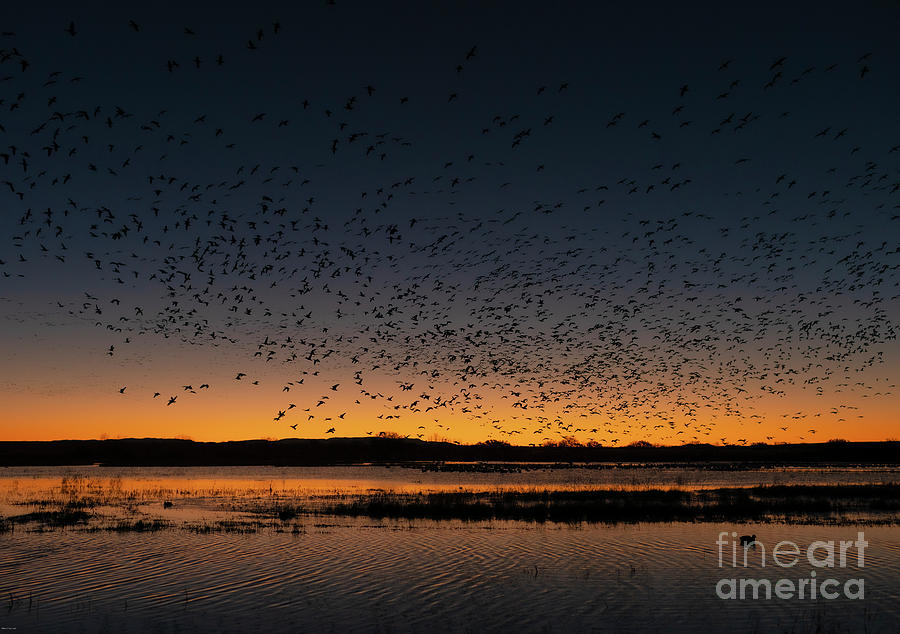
(610, 307)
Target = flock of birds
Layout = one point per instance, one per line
(408, 306)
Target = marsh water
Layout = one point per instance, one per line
(214, 563)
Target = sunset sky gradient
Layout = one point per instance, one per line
(616, 224)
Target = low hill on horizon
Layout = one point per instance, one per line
(343, 451)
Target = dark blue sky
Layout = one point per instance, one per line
(612, 217)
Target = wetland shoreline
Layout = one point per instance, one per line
(92, 508)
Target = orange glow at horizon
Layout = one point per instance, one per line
(72, 392)
(231, 413)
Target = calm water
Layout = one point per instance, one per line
(340, 574)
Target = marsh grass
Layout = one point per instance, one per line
(53, 518)
(105, 504)
(139, 526)
(799, 504)
(229, 526)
